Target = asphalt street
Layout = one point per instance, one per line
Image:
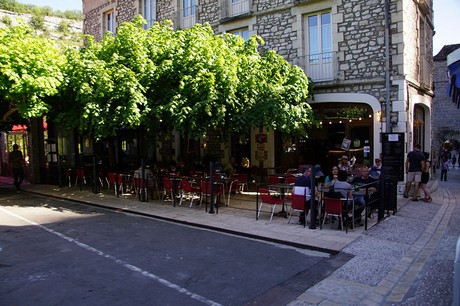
(55, 252)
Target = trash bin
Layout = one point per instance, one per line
(390, 194)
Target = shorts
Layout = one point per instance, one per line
(414, 176)
(425, 178)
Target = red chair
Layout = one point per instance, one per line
(266, 198)
(333, 207)
(80, 175)
(140, 186)
(68, 176)
(168, 187)
(114, 179)
(297, 204)
(273, 179)
(189, 189)
(290, 179)
(242, 181)
(233, 188)
(206, 191)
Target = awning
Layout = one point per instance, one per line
(23, 128)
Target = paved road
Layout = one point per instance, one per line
(55, 252)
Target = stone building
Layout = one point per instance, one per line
(373, 56)
(445, 111)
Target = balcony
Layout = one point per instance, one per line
(188, 17)
(231, 8)
(320, 67)
(425, 75)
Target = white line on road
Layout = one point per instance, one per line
(120, 262)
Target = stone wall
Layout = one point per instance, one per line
(276, 30)
(363, 45)
(445, 114)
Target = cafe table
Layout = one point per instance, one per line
(282, 187)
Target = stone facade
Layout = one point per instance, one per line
(446, 116)
(358, 50)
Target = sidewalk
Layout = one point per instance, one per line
(238, 219)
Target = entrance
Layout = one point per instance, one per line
(323, 144)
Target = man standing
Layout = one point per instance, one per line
(16, 161)
(415, 162)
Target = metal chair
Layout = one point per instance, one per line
(190, 189)
(297, 202)
(80, 175)
(168, 186)
(333, 207)
(266, 198)
(242, 181)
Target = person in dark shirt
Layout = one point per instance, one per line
(16, 160)
(415, 162)
(363, 183)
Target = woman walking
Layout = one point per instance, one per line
(426, 178)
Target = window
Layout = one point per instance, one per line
(424, 65)
(238, 7)
(242, 32)
(319, 36)
(188, 17)
(109, 21)
(149, 11)
(319, 61)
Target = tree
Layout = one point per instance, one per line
(188, 80)
(103, 92)
(30, 73)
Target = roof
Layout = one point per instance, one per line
(447, 49)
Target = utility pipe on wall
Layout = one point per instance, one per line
(387, 66)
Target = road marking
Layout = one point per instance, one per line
(119, 261)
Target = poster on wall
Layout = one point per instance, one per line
(346, 144)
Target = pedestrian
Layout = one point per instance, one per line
(16, 161)
(426, 178)
(415, 162)
(444, 169)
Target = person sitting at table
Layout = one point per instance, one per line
(331, 178)
(148, 175)
(300, 187)
(344, 164)
(364, 183)
(173, 169)
(376, 169)
(231, 167)
(340, 188)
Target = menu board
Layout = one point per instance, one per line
(393, 155)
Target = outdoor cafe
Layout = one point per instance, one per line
(273, 198)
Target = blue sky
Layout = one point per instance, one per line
(446, 16)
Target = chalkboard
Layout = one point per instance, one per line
(393, 157)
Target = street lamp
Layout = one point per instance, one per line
(316, 173)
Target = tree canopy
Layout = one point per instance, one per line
(30, 73)
(190, 80)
